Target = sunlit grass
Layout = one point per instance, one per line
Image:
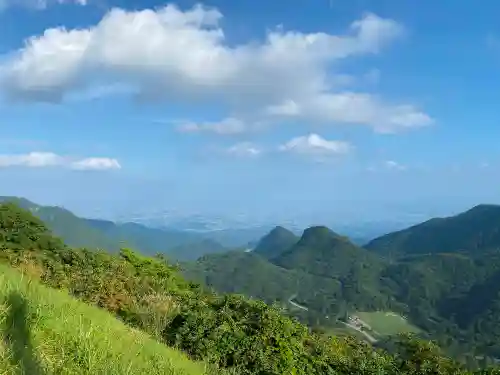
(386, 323)
(45, 331)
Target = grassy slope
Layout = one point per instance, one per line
(52, 333)
(387, 323)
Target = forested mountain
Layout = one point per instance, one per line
(473, 231)
(63, 223)
(152, 241)
(105, 234)
(322, 252)
(453, 296)
(231, 334)
(276, 242)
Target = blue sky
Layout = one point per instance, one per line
(323, 109)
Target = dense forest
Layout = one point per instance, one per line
(452, 295)
(235, 334)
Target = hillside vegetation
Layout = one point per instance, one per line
(46, 331)
(473, 231)
(232, 333)
(452, 296)
(275, 243)
(105, 234)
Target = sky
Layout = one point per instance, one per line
(270, 110)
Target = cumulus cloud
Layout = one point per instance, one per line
(226, 126)
(315, 145)
(355, 108)
(96, 164)
(50, 159)
(184, 55)
(244, 149)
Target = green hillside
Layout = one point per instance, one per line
(45, 331)
(65, 224)
(234, 334)
(105, 234)
(176, 244)
(453, 298)
(324, 253)
(252, 275)
(473, 231)
(275, 243)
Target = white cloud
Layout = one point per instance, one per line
(244, 149)
(184, 55)
(355, 108)
(226, 126)
(50, 159)
(33, 159)
(96, 164)
(315, 145)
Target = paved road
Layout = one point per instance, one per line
(366, 334)
(370, 338)
(297, 305)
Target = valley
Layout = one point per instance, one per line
(376, 291)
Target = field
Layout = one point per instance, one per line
(45, 331)
(386, 323)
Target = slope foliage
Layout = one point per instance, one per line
(275, 243)
(473, 231)
(104, 234)
(234, 334)
(451, 297)
(46, 331)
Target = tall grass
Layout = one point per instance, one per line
(45, 331)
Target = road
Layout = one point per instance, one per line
(291, 302)
(370, 338)
(297, 305)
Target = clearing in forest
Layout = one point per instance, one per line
(386, 323)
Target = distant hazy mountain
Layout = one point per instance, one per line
(236, 237)
(475, 230)
(104, 234)
(275, 243)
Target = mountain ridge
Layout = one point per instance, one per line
(476, 229)
(105, 234)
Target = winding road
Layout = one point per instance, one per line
(369, 337)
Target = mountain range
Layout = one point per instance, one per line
(443, 275)
(105, 234)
